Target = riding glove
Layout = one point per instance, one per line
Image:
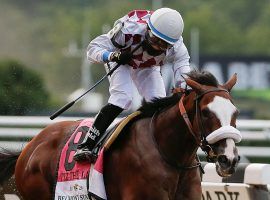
(121, 57)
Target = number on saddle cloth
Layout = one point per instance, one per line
(105, 141)
(69, 172)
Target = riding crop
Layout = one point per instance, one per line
(68, 105)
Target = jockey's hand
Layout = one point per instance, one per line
(121, 57)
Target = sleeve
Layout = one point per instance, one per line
(100, 49)
(180, 60)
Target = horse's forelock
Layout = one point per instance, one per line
(204, 78)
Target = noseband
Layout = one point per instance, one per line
(201, 142)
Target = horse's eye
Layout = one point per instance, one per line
(237, 113)
(206, 112)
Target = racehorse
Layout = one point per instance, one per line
(154, 157)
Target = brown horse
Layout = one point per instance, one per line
(154, 158)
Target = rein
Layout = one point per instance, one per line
(202, 143)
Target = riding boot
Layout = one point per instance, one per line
(102, 121)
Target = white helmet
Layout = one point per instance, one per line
(167, 24)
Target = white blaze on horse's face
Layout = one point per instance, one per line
(223, 109)
(230, 149)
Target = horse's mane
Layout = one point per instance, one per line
(149, 108)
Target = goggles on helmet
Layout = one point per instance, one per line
(157, 42)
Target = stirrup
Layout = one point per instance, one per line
(85, 154)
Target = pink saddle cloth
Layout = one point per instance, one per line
(78, 180)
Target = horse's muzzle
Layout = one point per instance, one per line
(225, 167)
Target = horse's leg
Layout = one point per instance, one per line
(128, 182)
(35, 170)
(35, 186)
(189, 188)
(8, 161)
(31, 171)
(128, 176)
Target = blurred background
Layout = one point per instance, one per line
(43, 43)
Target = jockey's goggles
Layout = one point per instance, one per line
(154, 41)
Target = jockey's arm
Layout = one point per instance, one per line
(101, 48)
(180, 60)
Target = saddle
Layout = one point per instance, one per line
(74, 178)
(112, 133)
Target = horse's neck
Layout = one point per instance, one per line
(173, 137)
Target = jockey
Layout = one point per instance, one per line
(159, 36)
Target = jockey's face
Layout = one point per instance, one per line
(157, 43)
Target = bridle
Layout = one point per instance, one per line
(201, 142)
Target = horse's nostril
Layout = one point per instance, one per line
(232, 170)
(239, 157)
(222, 159)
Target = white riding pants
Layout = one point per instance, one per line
(148, 82)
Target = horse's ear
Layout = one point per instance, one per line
(230, 83)
(197, 87)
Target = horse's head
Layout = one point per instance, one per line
(215, 122)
